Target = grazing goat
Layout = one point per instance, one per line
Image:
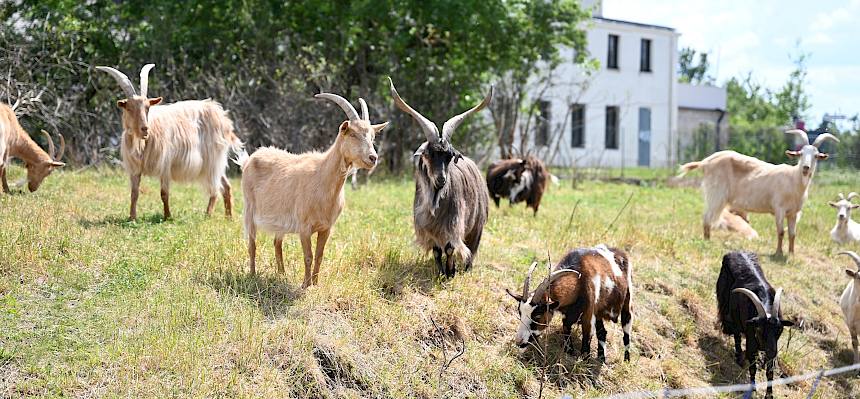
(846, 230)
(518, 179)
(850, 303)
(589, 285)
(749, 306)
(747, 184)
(303, 193)
(451, 199)
(16, 143)
(185, 141)
(737, 222)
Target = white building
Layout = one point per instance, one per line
(627, 112)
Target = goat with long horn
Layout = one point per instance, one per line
(451, 199)
(186, 141)
(749, 307)
(16, 143)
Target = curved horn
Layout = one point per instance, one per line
(62, 147)
(429, 128)
(854, 256)
(799, 133)
(342, 103)
(121, 79)
(824, 137)
(452, 124)
(364, 114)
(851, 195)
(841, 196)
(144, 79)
(51, 149)
(541, 289)
(528, 278)
(755, 300)
(777, 302)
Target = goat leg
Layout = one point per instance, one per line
(252, 248)
(792, 231)
(769, 373)
(3, 179)
(601, 341)
(437, 256)
(226, 192)
(739, 352)
(165, 197)
(854, 347)
(135, 193)
(626, 326)
(322, 238)
(305, 239)
(279, 253)
(450, 267)
(588, 323)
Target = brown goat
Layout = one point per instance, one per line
(16, 143)
(518, 179)
(303, 193)
(589, 285)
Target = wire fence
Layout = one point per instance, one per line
(745, 388)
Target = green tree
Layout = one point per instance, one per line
(691, 70)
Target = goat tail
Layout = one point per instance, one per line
(554, 179)
(688, 167)
(241, 157)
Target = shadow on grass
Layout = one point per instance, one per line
(396, 274)
(840, 356)
(273, 294)
(564, 368)
(122, 221)
(720, 360)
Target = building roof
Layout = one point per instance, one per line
(643, 25)
(701, 96)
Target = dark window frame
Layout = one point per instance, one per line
(612, 127)
(645, 55)
(577, 126)
(612, 52)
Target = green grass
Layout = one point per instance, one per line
(94, 305)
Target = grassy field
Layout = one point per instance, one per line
(94, 306)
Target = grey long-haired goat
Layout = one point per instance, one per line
(451, 198)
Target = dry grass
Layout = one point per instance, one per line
(94, 306)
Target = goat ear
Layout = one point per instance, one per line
(457, 156)
(515, 296)
(344, 127)
(851, 273)
(855, 206)
(822, 156)
(833, 204)
(792, 154)
(155, 101)
(121, 103)
(378, 128)
(754, 322)
(57, 164)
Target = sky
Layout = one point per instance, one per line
(758, 36)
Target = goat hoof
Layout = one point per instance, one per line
(626, 356)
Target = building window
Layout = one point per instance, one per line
(612, 128)
(577, 126)
(543, 120)
(612, 56)
(645, 56)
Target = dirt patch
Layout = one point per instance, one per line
(338, 374)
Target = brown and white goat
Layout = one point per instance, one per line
(747, 184)
(186, 141)
(303, 193)
(16, 143)
(518, 179)
(589, 285)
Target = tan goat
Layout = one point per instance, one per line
(185, 141)
(746, 184)
(16, 143)
(303, 193)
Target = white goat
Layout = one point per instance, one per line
(846, 230)
(290, 193)
(850, 303)
(747, 184)
(183, 141)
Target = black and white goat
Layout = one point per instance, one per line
(749, 306)
(451, 199)
(518, 179)
(589, 286)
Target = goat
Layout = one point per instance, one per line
(737, 222)
(186, 141)
(16, 143)
(850, 303)
(518, 179)
(589, 285)
(755, 313)
(747, 184)
(451, 198)
(845, 230)
(303, 193)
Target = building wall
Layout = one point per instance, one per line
(690, 120)
(627, 88)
